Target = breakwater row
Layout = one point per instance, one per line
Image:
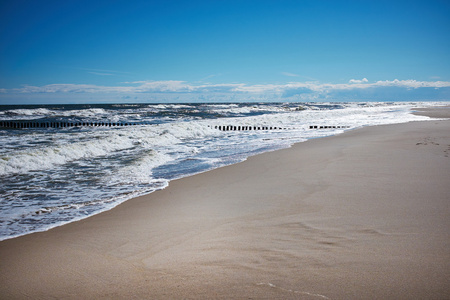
(246, 128)
(326, 127)
(242, 128)
(59, 124)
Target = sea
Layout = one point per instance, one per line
(50, 176)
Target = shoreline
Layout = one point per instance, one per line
(427, 111)
(336, 217)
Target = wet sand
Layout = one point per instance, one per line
(363, 215)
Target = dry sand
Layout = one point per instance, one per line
(364, 215)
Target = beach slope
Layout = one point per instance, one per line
(363, 215)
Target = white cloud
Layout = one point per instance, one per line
(292, 90)
(413, 83)
(358, 81)
(64, 88)
(163, 86)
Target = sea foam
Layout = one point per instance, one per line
(52, 176)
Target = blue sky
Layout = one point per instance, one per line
(223, 50)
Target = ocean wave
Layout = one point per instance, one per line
(46, 171)
(38, 113)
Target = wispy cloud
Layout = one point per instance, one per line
(210, 76)
(289, 74)
(101, 74)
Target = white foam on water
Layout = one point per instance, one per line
(35, 113)
(56, 176)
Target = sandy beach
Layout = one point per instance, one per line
(362, 215)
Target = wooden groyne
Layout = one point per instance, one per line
(247, 128)
(62, 124)
(59, 124)
(326, 127)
